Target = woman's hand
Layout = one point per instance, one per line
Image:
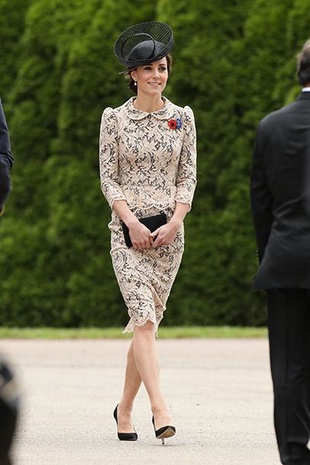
(140, 236)
(165, 234)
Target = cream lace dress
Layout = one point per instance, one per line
(149, 160)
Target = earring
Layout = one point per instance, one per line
(135, 83)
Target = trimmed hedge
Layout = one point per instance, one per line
(233, 63)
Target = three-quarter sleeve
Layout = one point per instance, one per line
(108, 157)
(187, 177)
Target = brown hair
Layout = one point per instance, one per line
(303, 64)
(131, 84)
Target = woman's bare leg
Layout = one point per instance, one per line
(131, 387)
(132, 380)
(146, 362)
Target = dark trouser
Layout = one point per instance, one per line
(7, 429)
(9, 401)
(289, 340)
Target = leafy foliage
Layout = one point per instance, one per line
(234, 61)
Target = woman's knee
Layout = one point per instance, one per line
(146, 330)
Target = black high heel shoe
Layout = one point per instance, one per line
(124, 436)
(164, 432)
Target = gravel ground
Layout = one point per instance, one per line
(219, 392)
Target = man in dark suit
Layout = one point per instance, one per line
(6, 160)
(280, 201)
(8, 387)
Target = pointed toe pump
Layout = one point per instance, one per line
(124, 436)
(164, 432)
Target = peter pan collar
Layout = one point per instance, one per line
(164, 113)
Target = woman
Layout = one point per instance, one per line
(148, 173)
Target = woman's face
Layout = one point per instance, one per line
(151, 79)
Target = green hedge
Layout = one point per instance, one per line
(233, 62)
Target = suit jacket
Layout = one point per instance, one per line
(6, 159)
(280, 196)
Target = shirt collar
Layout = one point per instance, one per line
(306, 89)
(164, 113)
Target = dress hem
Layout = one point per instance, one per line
(131, 326)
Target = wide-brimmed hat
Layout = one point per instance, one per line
(143, 43)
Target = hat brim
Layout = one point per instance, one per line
(143, 43)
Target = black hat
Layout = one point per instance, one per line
(143, 43)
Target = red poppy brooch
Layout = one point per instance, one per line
(175, 123)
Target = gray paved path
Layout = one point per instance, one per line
(219, 392)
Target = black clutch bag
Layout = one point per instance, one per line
(151, 222)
